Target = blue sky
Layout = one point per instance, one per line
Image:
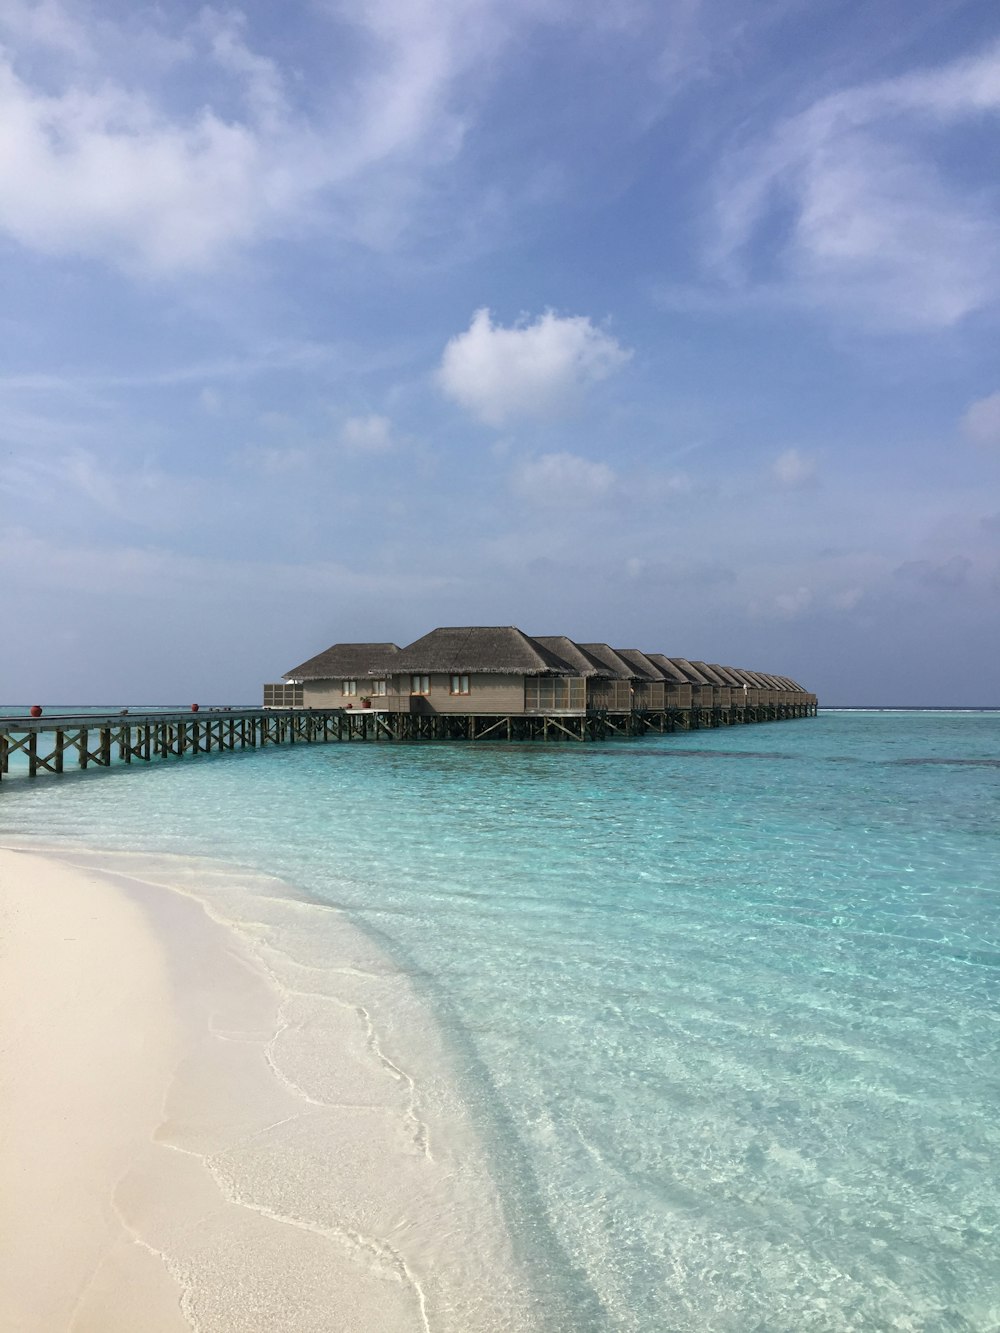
(671, 325)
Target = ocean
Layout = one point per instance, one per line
(723, 1005)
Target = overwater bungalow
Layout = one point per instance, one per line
(751, 686)
(491, 671)
(676, 686)
(607, 687)
(702, 689)
(732, 680)
(720, 688)
(648, 682)
(616, 693)
(469, 683)
(342, 675)
(485, 670)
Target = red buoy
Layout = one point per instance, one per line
(36, 710)
(194, 708)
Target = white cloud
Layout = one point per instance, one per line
(563, 479)
(847, 599)
(793, 469)
(367, 435)
(856, 204)
(104, 172)
(789, 605)
(105, 158)
(982, 420)
(532, 369)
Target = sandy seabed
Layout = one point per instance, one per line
(222, 1108)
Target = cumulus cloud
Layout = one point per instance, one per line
(367, 435)
(531, 369)
(853, 205)
(982, 420)
(793, 469)
(563, 479)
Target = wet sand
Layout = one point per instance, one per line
(223, 1108)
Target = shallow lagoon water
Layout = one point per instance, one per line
(724, 1004)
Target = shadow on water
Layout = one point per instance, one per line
(964, 763)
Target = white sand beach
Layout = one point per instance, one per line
(223, 1109)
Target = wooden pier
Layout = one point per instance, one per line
(51, 744)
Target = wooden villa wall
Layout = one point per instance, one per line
(488, 693)
(282, 695)
(615, 696)
(500, 695)
(329, 693)
(649, 694)
(555, 694)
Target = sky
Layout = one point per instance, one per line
(671, 324)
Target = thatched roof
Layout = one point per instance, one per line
(614, 666)
(346, 661)
(572, 654)
(667, 669)
(742, 677)
(642, 667)
(484, 649)
(774, 683)
(506, 650)
(728, 675)
(690, 671)
(710, 674)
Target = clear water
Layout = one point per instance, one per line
(726, 1005)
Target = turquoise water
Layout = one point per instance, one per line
(725, 1004)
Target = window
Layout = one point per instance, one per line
(420, 684)
(348, 687)
(378, 687)
(459, 685)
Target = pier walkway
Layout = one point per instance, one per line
(50, 744)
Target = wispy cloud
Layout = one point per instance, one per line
(981, 421)
(367, 435)
(93, 162)
(562, 479)
(267, 358)
(794, 470)
(858, 205)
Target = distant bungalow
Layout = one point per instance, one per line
(499, 671)
(470, 683)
